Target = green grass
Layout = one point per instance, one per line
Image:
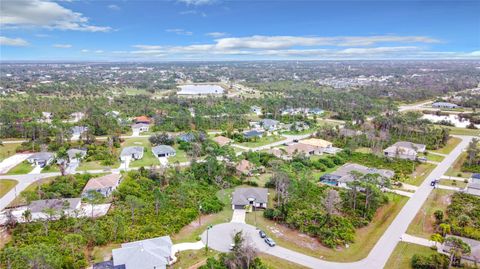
(103, 253)
(192, 232)
(148, 158)
(19, 200)
(365, 238)
(193, 258)
(453, 183)
(275, 262)
(50, 169)
(423, 223)
(462, 131)
(401, 257)
(456, 169)
(22, 168)
(451, 144)
(421, 173)
(308, 131)
(96, 165)
(262, 141)
(7, 150)
(6, 185)
(180, 156)
(364, 150)
(433, 157)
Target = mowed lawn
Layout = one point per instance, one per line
(7, 150)
(180, 156)
(433, 157)
(22, 168)
(6, 185)
(262, 141)
(421, 173)
(423, 223)
(451, 144)
(401, 257)
(365, 238)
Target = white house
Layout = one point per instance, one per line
(404, 150)
(41, 158)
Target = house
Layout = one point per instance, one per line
(74, 155)
(316, 111)
(320, 145)
(256, 197)
(404, 150)
(298, 148)
(149, 253)
(76, 116)
(104, 185)
(289, 111)
(473, 189)
(297, 126)
(163, 151)
(42, 158)
(134, 152)
(222, 140)
(67, 205)
(113, 114)
(256, 109)
(252, 134)
(343, 175)
(140, 127)
(46, 117)
(187, 137)
(346, 132)
(269, 124)
(77, 131)
(473, 257)
(142, 119)
(475, 178)
(244, 167)
(444, 105)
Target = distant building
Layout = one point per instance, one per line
(222, 140)
(142, 119)
(140, 127)
(257, 197)
(135, 152)
(104, 185)
(77, 131)
(269, 124)
(76, 116)
(444, 105)
(41, 158)
(316, 111)
(343, 175)
(404, 150)
(150, 253)
(299, 148)
(163, 151)
(320, 145)
(188, 137)
(256, 109)
(74, 155)
(346, 132)
(252, 134)
(245, 167)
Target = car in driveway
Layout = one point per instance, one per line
(270, 241)
(262, 234)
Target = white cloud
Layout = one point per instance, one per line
(197, 2)
(62, 46)
(44, 14)
(84, 51)
(14, 42)
(99, 51)
(216, 34)
(113, 7)
(179, 31)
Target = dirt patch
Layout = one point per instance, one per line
(295, 237)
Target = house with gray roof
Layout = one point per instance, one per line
(444, 105)
(77, 131)
(472, 257)
(66, 206)
(41, 158)
(140, 127)
(188, 137)
(404, 150)
(150, 253)
(163, 151)
(252, 134)
(134, 152)
(343, 175)
(249, 196)
(269, 124)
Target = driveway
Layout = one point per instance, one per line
(36, 170)
(239, 215)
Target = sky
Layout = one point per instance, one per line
(215, 30)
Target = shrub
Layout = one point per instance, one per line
(434, 261)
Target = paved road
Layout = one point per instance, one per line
(380, 253)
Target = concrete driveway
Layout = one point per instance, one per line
(239, 215)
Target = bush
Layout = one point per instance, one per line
(434, 261)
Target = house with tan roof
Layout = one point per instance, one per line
(245, 167)
(222, 140)
(104, 185)
(299, 148)
(320, 145)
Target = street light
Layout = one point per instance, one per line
(208, 228)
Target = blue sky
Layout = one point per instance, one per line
(136, 30)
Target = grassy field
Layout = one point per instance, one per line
(451, 144)
(423, 223)
(22, 168)
(192, 232)
(456, 169)
(463, 131)
(20, 200)
(364, 150)
(432, 157)
(365, 237)
(96, 165)
(453, 183)
(7, 150)
(277, 263)
(6, 185)
(262, 141)
(193, 258)
(180, 156)
(421, 172)
(402, 255)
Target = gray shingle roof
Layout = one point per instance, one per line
(129, 151)
(345, 171)
(163, 150)
(57, 204)
(42, 156)
(149, 253)
(241, 195)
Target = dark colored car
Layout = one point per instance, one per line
(270, 241)
(262, 234)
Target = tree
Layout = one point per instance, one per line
(62, 160)
(445, 228)
(437, 238)
(161, 139)
(457, 249)
(160, 198)
(133, 202)
(27, 215)
(93, 198)
(472, 150)
(438, 215)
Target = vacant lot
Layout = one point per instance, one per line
(7, 150)
(32, 187)
(402, 255)
(365, 238)
(456, 169)
(262, 141)
(6, 185)
(423, 223)
(421, 172)
(451, 144)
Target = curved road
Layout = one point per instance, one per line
(380, 253)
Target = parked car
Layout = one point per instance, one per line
(270, 241)
(434, 182)
(422, 159)
(262, 234)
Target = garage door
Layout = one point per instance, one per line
(239, 206)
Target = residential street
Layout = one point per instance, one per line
(382, 250)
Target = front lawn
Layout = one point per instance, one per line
(148, 160)
(401, 257)
(53, 168)
(180, 156)
(365, 238)
(262, 141)
(22, 168)
(423, 223)
(275, 262)
(451, 144)
(433, 157)
(421, 173)
(453, 183)
(193, 258)
(6, 185)
(456, 169)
